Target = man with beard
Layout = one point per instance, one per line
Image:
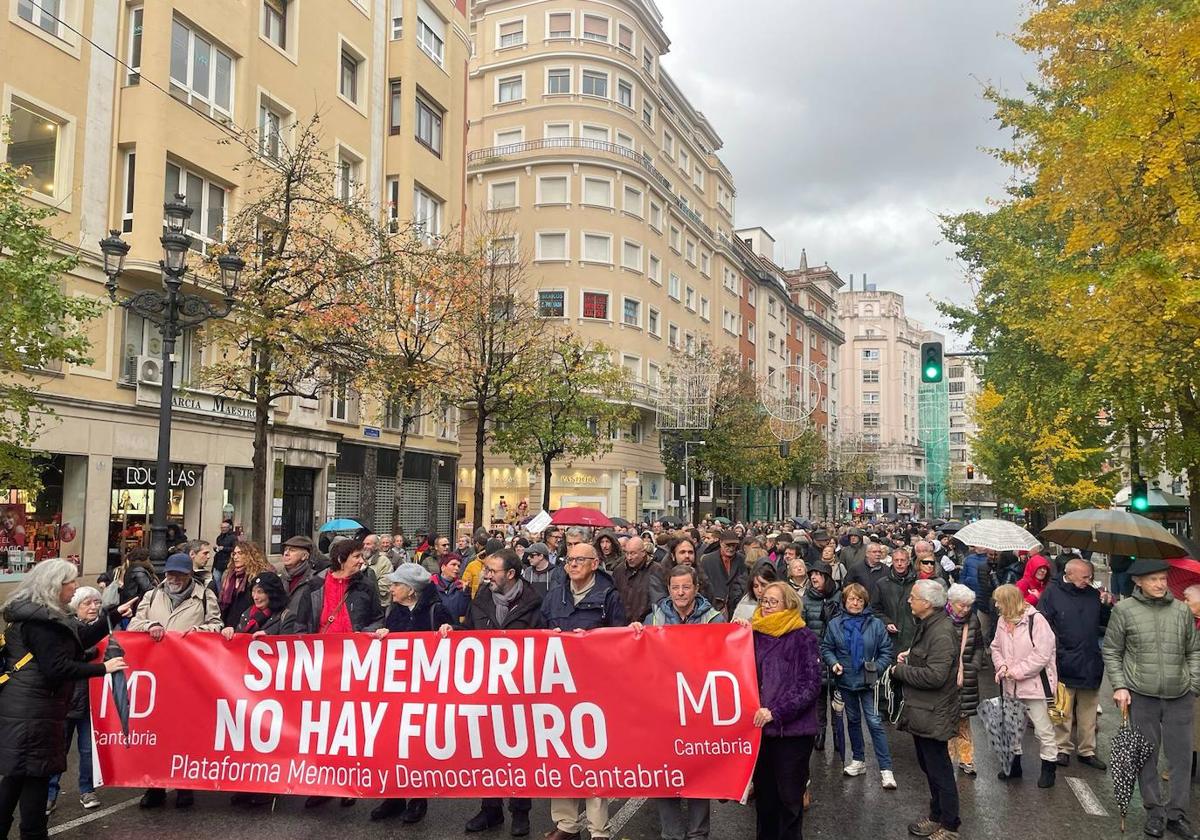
(297, 568)
(179, 603)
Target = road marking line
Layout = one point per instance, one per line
(626, 813)
(1087, 799)
(94, 815)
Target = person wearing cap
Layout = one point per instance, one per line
(1152, 656)
(639, 580)
(182, 605)
(812, 552)
(297, 568)
(854, 553)
(539, 572)
(728, 577)
(410, 611)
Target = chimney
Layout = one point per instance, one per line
(852, 282)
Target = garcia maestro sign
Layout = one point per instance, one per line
(198, 402)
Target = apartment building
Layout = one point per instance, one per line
(608, 182)
(108, 139)
(879, 377)
(971, 494)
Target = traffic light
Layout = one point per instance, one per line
(931, 361)
(1139, 496)
(970, 472)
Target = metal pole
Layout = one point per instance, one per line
(162, 481)
(687, 483)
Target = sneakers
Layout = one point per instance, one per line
(1182, 828)
(855, 768)
(943, 834)
(887, 779)
(923, 828)
(51, 804)
(89, 801)
(968, 769)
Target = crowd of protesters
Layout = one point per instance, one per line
(836, 613)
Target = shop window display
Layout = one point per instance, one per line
(46, 523)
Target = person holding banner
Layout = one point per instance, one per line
(586, 600)
(44, 656)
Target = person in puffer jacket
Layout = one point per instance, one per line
(960, 607)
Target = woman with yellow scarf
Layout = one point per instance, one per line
(789, 680)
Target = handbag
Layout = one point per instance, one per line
(7, 675)
(1060, 708)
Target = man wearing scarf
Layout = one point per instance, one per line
(297, 568)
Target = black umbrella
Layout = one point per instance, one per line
(671, 521)
(1130, 750)
(802, 524)
(951, 527)
(120, 687)
(619, 520)
(836, 707)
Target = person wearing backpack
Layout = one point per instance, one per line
(136, 575)
(43, 656)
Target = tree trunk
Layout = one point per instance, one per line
(546, 462)
(1193, 477)
(399, 494)
(480, 441)
(259, 506)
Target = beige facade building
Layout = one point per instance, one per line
(609, 181)
(107, 140)
(879, 378)
(971, 490)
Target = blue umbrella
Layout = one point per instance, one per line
(340, 525)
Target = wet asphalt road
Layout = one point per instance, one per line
(843, 807)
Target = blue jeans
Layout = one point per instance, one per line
(861, 704)
(81, 728)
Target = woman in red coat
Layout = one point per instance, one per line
(1036, 579)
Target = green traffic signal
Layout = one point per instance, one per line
(931, 361)
(1139, 495)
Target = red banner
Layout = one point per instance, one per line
(474, 714)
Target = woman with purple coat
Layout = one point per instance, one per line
(789, 681)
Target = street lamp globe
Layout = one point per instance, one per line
(231, 266)
(177, 213)
(175, 247)
(115, 249)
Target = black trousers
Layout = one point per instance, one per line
(515, 805)
(780, 777)
(934, 758)
(30, 793)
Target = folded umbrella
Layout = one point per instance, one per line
(1130, 750)
(997, 535)
(1003, 719)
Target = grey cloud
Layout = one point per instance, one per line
(850, 124)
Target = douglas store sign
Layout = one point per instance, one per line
(142, 476)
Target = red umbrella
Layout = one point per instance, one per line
(581, 516)
(1184, 572)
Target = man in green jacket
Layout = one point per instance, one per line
(1152, 655)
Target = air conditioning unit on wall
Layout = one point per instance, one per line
(149, 370)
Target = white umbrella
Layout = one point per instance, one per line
(998, 535)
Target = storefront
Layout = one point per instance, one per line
(362, 486)
(45, 524)
(131, 510)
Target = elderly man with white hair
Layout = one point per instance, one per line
(1078, 614)
(928, 670)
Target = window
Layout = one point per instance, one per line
(348, 82)
(44, 14)
(595, 28)
(503, 250)
(552, 304)
(705, 262)
(511, 33)
(956, 372)
(597, 191)
(427, 212)
(653, 324)
(503, 195)
(625, 38)
(655, 216)
(558, 81)
(870, 377)
(870, 398)
(395, 106)
(689, 298)
(654, 272)
(275, 22)
(631, 312)
(704, 307)
(673, 286)
(271, 119)
(957, 405)
(36, 139)
(431, 32)
(750, 295)
(729, 279)
(648, 61)
(870, 421)
(870, 354)
(595, 305)
(691, 252)
(201, 71)
(771, 306)
(552, 189)
(958, 387)
(509, 137)
(429, 124)
(689, 343)
(143, 338)
(552, 246)
(339, 397)
(594, 83)
(750, 332)
(558, 25)
(625, 141)
(648, 115)
(958, 438)
(348, 175)
(128, 172)
(207, 200)
(673, 335)
(599, 133)
(669, 144)
(557, 131)
(675, 239)
(685, 161)
(133, 54)
(393, 197)
(625, 93)
(597, 247)
(397, 21)
(631, 255)
(698, 178)
(729, 321)
(632, 202)
(510, 89)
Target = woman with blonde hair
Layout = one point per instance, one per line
(1023, 654)
(246, 563)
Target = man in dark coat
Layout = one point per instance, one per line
(868, 573)
(1078, 614)
(891, 600)
(819, 604)
(928, 671)
(298, 569)
(725, 569)
(504, 602)
(639, 581)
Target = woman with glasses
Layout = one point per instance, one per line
(789, 677)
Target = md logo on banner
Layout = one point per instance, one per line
(712, 697)
(131, 701)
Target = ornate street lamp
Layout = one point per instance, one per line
(174, 312)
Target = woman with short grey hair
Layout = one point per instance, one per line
(44, 657)
(961, 609)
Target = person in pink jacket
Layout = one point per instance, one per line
(1023, 654)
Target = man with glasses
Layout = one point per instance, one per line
(1078, 614)
(639, 580)
(726, 572)
(587, 599)
(868, 573)
(439, 547)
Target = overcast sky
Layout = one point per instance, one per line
(849, 125)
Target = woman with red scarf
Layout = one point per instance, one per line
(246, 563)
